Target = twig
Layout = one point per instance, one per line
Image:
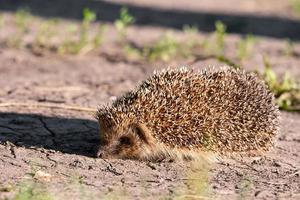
(192, 197)
(270, 183)
(37, 105)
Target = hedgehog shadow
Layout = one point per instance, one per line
(67, 135)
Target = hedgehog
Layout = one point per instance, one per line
(181, 113)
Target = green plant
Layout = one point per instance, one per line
(44, 35)
(286, 90)
(32, 191)
(123, 22)
(289, 47)
(132, 52)
(98, 38)
(2, 21)
(88, 17)
(188, 29)
(84, 43)
(244, 188)
(245, 47)
(295, 4)
(220, 34)
(21, 19)
(197, 181)
(227, 61)
(205, 45)
(164, 49)
(192, 41)
(214, 46)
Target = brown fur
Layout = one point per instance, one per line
(178, 113)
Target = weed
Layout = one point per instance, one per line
(192, 42)
(244, 188)
(214, 46)
(21, 18)
(123, 22)
(75, 47)
(164, 49)
(44, 35)
(289, 47)
(205, 45)
(198, 181)
(191, 30)
(77, 186)
(132, 52)
(220, 34)
(2, 21)
(245, 47)
(98, 38)
(286, 91)
(71, 29)
(295, 4)
(88, 17)
(32, 191)
(84, 43)
(117, 194)
(199, 178)
(227, 61)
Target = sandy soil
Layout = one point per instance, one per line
(53, 148)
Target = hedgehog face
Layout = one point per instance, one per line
(117, 142)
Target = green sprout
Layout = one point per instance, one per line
(98, 38)
(244, 188)
(44, 35)
(286, 91)
(295, 4)
(84, 43)
(164, 49)
(32, 191)
(133, 52)
(22, 18)
(198, 181)
(220, 34)
(289, 47)
(123, 22)
(190, 30)
(192, 41)
(88, 17)
(2, 21)
(245, 47)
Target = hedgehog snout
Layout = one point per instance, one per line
(101, 153)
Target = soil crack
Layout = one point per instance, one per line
(11, 129)
(112, 169)
(52, 160)
(52, 133)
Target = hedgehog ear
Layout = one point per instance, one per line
(143, 132)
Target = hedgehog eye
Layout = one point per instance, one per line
(125, 140)
(139, 132)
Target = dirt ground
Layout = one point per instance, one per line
(52, 149)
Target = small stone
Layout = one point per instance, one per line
(42, 176)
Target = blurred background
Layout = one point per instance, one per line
(141, 36)
(61, 59)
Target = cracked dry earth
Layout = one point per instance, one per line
(53, 148)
